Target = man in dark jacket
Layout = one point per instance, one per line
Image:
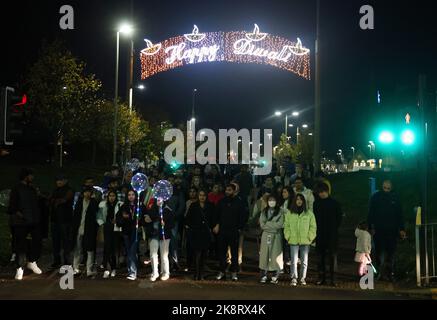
(328, 217)
(386, 225)
(85, 230)
(229, 223)
(25, 219)
(177, 205)
(61, 206)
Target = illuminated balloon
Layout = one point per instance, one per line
(133, 165)
(162, 190)
(139, 182)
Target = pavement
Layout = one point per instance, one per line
(181, 286)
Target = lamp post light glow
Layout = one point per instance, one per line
(126, 29)
(141, 87)
(278, 113)
(305, 126)
(295, 114)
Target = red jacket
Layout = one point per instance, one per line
(215, 198)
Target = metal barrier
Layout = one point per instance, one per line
(425, 250)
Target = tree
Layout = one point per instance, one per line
(62, 94)
(284, 149)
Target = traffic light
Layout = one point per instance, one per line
(408, 137)
(12, 115)
(386, 137)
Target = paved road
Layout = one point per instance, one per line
(47, 286)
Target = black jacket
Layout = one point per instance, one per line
(90, 229)
(154, 228)
(61, 205)
(129, 225)
(200, 221)
(328, 218)
(24, 199)
(385, 214)
(177, 203)
(231, 215)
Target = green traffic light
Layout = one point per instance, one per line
(408, 137)
(386, 137)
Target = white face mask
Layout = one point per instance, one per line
(272, 204)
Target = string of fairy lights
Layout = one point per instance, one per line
(234, 46)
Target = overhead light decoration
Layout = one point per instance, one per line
(235, 46)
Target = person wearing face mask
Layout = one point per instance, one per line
(300, 230)
(271, 222)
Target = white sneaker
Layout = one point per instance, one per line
(106, 274)
(13, 257)
(294, 283)
(113, 273)
(131, 277)
(165, 277)
(263, 279)
(19, 274)
(153, 277)
(274, 280)
(76, 271)
(303, 282)
(34, 267)
(220, 276)
(234, 276)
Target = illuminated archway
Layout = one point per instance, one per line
(234, 46)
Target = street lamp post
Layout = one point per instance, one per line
(127, 30)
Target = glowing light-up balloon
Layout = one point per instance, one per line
(139, 182)
(133, 164)
(162, 190)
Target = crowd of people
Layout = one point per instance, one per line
(211, 211)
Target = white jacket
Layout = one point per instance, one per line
(364, 241)
(103, 212)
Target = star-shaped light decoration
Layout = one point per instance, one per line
(195, 36)
(298, 49)
(256, 35)
(151, 49)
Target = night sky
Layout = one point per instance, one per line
(355, 63)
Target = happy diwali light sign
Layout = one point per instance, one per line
(235, 46)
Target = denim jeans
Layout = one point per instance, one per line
(163, 246)
(294, 253)
(78, 255)
(131, 245)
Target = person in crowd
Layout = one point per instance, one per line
(196, 182)
(113, 174)
(260, 205)
(229, 223)
(43, 205)
(363, 247)
(114, 186)
(328, 215)
(299, 173)
(216, 194)
(199, 223)
(25, 219)
(300, 230)
(61, 208)
(129, 222)
(245, 181)
(278, 190)
(286, 204)
(108, 211)
(177, 205)
(299, 187)
(159, 234)
(271, 222)
(85, 230)
(267, 187)
(320, 177)
(192, 198)
(386, 225)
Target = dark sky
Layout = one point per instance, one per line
(354, 63)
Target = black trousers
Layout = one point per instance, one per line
(385, 249)
(33, 251)
(111, 242)
(331, 256)
(200, 257)
(225, 241)
(62, 237)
